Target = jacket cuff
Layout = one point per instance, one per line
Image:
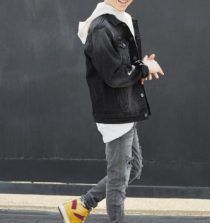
(144, 68)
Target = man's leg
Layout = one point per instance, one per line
(98, 192)
(118, 156)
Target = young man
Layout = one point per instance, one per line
(115, 76)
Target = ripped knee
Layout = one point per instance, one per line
(129, 161)
(128, 168)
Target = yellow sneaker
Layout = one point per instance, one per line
(73, 211)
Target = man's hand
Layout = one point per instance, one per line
(154, 68)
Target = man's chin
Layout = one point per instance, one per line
(121, 8)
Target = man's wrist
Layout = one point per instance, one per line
(144, 68)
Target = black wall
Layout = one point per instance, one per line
(47, 132)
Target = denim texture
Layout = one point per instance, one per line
(113, 71)
(124, 165)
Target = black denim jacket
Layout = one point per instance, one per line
(112, 72)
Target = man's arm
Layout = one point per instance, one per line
(108, 62)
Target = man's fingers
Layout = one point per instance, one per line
(150, 76)
(156, 75)
(145, 57)
(142, 80)
(161, 71)
(152, 56)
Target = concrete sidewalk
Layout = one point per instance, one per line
(133, 206)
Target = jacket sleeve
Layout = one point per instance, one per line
(108, 62)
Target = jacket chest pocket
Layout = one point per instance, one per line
(123, 49)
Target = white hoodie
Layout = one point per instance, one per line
(104, 8)
(109, 131)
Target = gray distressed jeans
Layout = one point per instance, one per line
(124, 165)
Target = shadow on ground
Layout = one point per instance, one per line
(9, 216)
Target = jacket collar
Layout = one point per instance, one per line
(112, 19)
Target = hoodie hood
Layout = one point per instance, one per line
(103, 8)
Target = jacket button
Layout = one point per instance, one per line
(145, 115)
(142, 95)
